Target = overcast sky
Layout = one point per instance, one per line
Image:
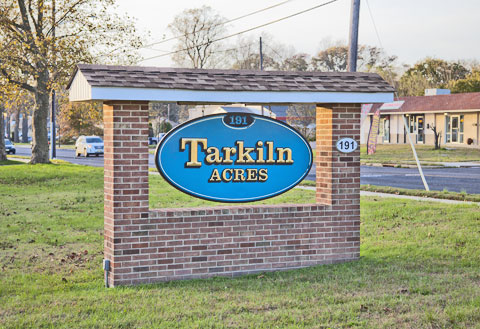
(410, 29)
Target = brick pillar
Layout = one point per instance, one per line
(126, 181)
(338, 174)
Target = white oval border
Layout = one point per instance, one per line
(349, 139)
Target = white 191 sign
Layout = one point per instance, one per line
(347, 145)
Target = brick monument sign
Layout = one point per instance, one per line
(146, 245)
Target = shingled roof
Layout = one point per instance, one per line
(230, 80)
(436, 103)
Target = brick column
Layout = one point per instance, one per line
(126, 181)
(338, 174)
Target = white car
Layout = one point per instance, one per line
(88, 145)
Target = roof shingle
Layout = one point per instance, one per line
(231, 80)
(436, 103)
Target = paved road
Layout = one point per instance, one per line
(453, 179)
(69, 155)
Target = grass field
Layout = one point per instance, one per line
(419, 267)
(402, 154)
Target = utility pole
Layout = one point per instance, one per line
(53, 147)
(261, 55)
(353, 41)
(261, 63)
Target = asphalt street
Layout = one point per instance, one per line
(452, 179)
(69, 155)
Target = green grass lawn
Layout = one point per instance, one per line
(419, 267)
(398, 154)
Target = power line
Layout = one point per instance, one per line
(220, 24)
(244, 31)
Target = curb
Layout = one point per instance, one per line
(429, 166)
(399, 196)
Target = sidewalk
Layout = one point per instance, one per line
(388, 195)
(460, 164)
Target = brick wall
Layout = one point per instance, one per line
(155, 245)
(125, 176)
(338, 174)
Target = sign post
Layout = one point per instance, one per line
(415, 154)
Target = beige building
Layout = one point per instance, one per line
(455, 116)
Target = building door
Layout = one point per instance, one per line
(454, 128)
(420, 129)
(417, 127)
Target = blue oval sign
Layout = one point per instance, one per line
(234, 157)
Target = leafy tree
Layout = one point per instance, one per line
(430, 73)
(76, 119)
(197, 29)
(470, 84)
(165, 126)
(331, 59)
(413, 84)
(43, 41)
(437, 71)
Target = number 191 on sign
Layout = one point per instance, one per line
(347, 145)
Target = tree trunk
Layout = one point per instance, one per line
(16, 127)
(40, 133)
(25, 127)
(437, 136)
(7, 123)
(3, 154)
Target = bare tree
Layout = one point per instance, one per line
(276, 56)
(197, 29)
(297, 62)
(333, 57)
(436, 135)
(246, 55)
